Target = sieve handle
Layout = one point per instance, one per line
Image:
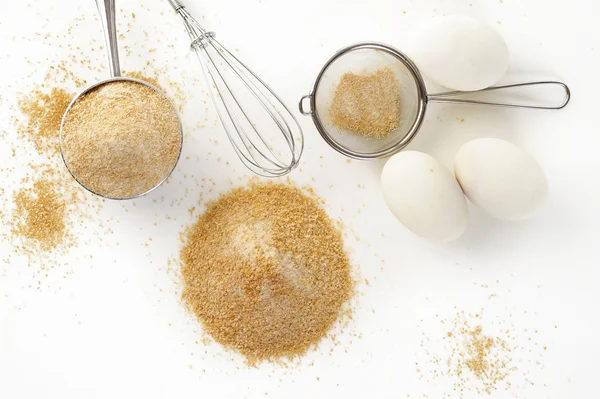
(451, 96)
(303, 110)
(106, 9)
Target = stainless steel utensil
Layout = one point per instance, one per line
(106, 9)
(414, 99)
(248, 109)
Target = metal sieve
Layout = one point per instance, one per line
(106, 9)
(366, 58)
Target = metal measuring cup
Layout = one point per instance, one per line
(414, 99)
(106, 9)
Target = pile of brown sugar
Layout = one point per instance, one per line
(475, 359)
(40, 214)
(40, 220)
(485, 357)
(44, 112)
(121, 139)
(368, 105)
(265, 271)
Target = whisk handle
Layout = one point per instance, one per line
(451, 96)
(176, 5)
(106, 9)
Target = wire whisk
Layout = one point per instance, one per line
(248, 109)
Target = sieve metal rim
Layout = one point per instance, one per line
(96, 85)
(406, 139)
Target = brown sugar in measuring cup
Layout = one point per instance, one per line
(121, 138)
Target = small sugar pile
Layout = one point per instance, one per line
(44, 111)
(40, 214)
(39, 222)
(368, 105)
(265, 271)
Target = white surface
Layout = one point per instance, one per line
(111, 326)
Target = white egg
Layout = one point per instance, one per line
(501, 178)
(424, 196)
(460, 53)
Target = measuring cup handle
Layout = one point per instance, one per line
(106, 9)
(451, 96)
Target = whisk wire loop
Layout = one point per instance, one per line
(247, 139)
(230, 102)
(255, 93)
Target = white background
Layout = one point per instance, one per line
(106, 320)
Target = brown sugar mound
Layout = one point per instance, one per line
(265, 271)
(40, 215)
(121, 139)
(368, 105)
(44, 112)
